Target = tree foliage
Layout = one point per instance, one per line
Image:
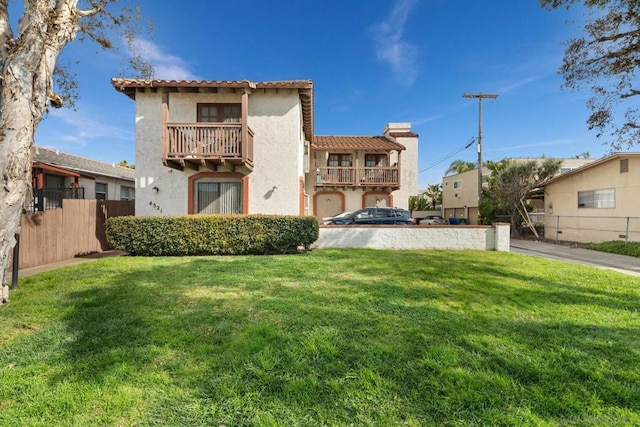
(460, 166)
(434, 193)
(605, 59)
(510, 185)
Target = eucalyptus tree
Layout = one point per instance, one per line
(605, 59)
(31, 82)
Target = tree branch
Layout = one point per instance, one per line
(632, 92)
(96, 8)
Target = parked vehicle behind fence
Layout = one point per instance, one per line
(374, 215)
(431, 220)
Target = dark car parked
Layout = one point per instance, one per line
(375, 215)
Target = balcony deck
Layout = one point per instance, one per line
(358, 177)
(210, 145)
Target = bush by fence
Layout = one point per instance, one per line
(211, 234)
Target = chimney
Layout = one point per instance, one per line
(396, 128)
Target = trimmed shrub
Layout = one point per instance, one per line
(210, 234)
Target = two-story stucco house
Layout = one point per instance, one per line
(249, 147)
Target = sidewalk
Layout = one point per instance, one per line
(621, 263)
(25, 272)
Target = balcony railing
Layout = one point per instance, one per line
(207, 144)
(379, 176)
(51, 198)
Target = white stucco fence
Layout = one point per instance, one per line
(489, 238)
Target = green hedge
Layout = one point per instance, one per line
(210, 234)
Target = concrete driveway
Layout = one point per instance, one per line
(621, 263)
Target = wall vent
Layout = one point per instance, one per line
(624, 165)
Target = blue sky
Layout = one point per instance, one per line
(371, 61)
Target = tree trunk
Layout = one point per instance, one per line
(26, 71)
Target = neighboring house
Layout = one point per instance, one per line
(58, 175)
(460, 195)
(460, 191)
(597, 202)
(249, 147)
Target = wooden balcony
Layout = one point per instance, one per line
(358, 177)
(192, 145)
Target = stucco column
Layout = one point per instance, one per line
(503, 236)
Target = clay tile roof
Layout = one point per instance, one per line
(403, 135)
(129, 86)
(369, 143)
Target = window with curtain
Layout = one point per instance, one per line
(219, 113)
(375, 160)
(218, 197)
(597, 199)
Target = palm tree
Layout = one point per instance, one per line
(459, 166)
(434, 192)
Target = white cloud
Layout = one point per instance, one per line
(165, 65)
(511, 87)
(390, 46)
(79, 128)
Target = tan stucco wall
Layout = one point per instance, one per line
(465, 204)
(594, 224)
(275, 119)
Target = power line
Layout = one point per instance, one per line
(448, 156)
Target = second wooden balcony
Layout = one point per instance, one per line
(354, 177)
(211, 145)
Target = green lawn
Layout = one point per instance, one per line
(331, 337)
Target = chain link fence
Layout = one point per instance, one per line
(591, 229)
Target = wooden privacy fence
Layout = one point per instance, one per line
(78, 228)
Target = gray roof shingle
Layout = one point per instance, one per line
(83, 166)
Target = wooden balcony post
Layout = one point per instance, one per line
(399, 170)
(356, 172)
(244, 111)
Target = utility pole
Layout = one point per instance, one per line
(480, 96)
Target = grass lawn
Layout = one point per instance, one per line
(331, 337)
(616, 247)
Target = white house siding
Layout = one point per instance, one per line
(274, 184)
(275, 120)
(408, 173)
(171, 197)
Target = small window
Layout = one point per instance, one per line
(457, 184)
(376, 160)
(597, 199)
(219, 113)
(127, 193)
(624, 165)
(101, 191)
